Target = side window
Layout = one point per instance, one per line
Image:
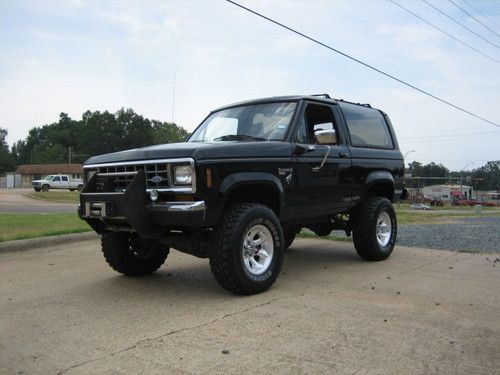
(64, 178)
(316, 117)
(56, 179)
(367, 127)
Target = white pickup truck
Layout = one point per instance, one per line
(59, 181)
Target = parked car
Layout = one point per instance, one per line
(58, 181)
(420, 206)
(243, 185)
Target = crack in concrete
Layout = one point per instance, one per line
(170, 333)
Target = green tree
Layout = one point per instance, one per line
(434, 170)
(7, 162)
(415, 169)
(96, 133)
(488, 176)
(168, 132)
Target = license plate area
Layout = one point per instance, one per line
(98, 209)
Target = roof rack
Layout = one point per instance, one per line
(367, 105)
(323, 95)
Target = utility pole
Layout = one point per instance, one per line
(461, 178)
(69, 158)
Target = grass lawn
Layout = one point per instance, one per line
(407, 206)
(22, 226)
(437, 217)
(56, 196)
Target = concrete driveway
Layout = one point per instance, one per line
(14, 201)
(422, 311)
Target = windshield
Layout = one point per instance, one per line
(260, 122)
(49, 177)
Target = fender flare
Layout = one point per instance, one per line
(376, 177)
(252, 178)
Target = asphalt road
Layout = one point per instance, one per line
(422, 311)
(14, 201)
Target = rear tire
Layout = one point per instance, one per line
(131, 255)
(374, 228)
(248, 250)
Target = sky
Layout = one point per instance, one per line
(72, 56)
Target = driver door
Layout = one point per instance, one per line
(322, 186)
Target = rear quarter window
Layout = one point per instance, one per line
(366, 126)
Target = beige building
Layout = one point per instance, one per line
(32, 172)
(447, 192)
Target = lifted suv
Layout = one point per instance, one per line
(243, 185)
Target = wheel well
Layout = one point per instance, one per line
(381, 189)
(265, 194)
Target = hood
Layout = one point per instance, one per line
(199, 151)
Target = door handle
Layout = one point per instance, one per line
(317, 169)
(343, 154)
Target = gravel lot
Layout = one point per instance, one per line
(470, 234)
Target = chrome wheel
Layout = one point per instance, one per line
(384, 229)
(258, 249)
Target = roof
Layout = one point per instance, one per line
(49, 168)
(291, 98)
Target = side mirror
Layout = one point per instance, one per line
(326, 137)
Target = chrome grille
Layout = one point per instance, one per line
(117, 177)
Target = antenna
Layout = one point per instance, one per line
(173, 99)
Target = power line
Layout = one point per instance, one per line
(363, 63)
(438, 139)
(461, 24)
(477, 10)
(448, 135)
(452, 132)
(474, 18)
(444, 32)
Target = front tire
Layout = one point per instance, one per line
(131, 255)
(45, 188)
(37, 189)
(289, 233)
(374, 228)
(248, 250)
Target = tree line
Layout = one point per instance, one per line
(95, 133)
(486, 177)
(103, 132)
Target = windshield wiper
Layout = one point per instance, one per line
(239, 137)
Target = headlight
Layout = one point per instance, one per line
(182, 175)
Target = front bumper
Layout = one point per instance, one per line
(131, 209)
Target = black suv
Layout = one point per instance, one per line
(244, 184)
